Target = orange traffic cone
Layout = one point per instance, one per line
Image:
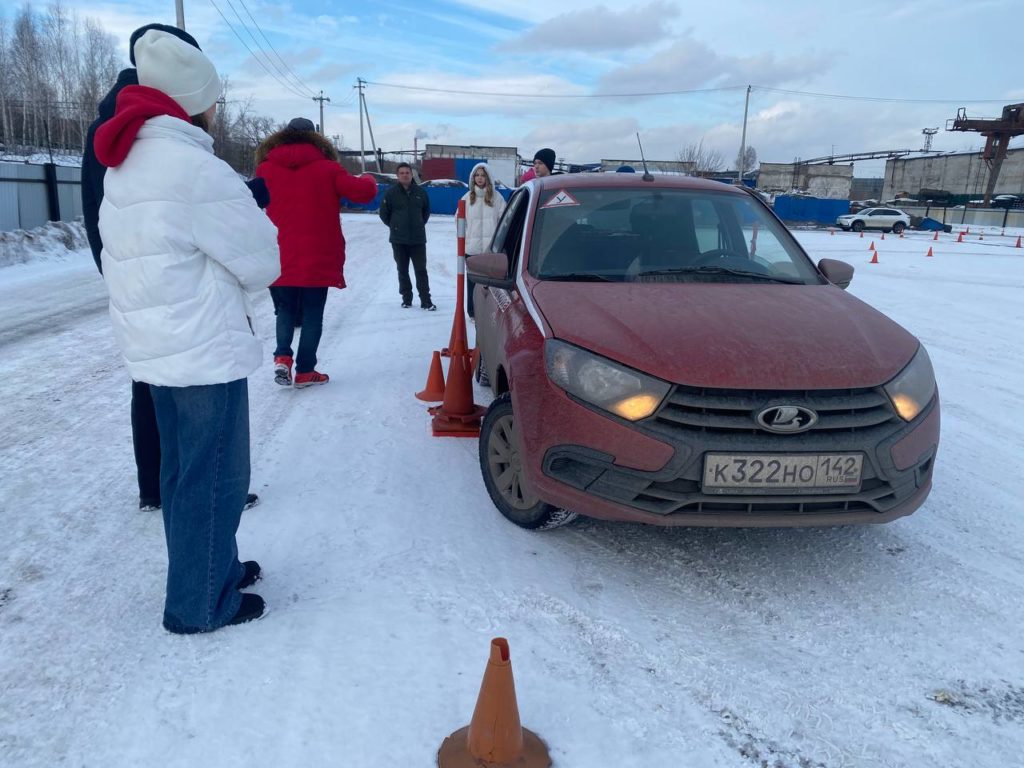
(458, 415)
(862, 233)
(929, 251)
(874, 257)
(433, 392)
(494, 737)
(883, 235)
(872, 246)
(901, 235)
(960, 237)
(936, 235)
(1018, 242)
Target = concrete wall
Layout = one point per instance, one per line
(964, 175)
(831, 182)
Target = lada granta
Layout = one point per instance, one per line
(662, 350)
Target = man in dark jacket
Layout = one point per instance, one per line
(405, 209)
(145, 436)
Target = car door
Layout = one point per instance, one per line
(492, 304)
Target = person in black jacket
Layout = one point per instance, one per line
(405, 209)
(145, 436)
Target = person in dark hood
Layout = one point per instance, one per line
(306, 183)
(145, 436)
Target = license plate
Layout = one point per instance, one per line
(785, 473)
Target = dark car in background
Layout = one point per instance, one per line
(664, 351)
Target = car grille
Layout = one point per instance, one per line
(732, 411)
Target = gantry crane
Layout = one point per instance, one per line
(997, 132)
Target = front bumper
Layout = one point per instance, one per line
(615, 478)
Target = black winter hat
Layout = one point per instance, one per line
(301, 124)
(181, 33)
(546, 156)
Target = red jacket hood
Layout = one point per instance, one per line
(731, 336)
(135, 105)
(294, 155)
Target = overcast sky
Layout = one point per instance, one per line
(546, 62)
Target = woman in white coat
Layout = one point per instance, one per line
(184, 243)
(484, 206)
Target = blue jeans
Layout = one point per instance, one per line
(204, 477)
(307, 303)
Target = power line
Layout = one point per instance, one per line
(266, 56)
(257, 58)
(556, 95)
(649, 94)
(879, 98)
(295, 77)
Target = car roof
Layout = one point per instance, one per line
(633, 181)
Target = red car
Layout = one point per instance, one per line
(662, 350)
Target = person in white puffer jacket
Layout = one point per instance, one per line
(484, 206)
(184, 243)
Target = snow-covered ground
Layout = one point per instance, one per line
(388, 570)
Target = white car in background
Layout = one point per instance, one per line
(885, 219)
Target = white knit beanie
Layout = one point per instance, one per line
(171, 65)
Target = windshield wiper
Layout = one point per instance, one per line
(710, 270)
(580, 277)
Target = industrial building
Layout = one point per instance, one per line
(453, 161)
(963, 175)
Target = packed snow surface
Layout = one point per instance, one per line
(388, 570)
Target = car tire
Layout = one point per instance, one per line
(857, 226)
(480, 374)
(898, 227)
(502, 472)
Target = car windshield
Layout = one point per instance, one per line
(662, 235)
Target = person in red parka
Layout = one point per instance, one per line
(306, 183)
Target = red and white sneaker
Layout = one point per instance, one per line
(311, 378)
(283, 370)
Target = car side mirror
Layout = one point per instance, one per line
(490, 269)
(836, 272)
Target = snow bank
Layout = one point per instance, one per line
(53, 241)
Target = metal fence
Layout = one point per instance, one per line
(971, 217)
(31, 195)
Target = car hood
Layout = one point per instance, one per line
(729, 335)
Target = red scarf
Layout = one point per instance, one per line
(135, 105)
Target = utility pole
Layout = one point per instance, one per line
(743, 140)
(362, 150)
(321, 98)
(179, 7)
(364, 111)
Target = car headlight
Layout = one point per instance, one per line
(603, 383)
(913, 387)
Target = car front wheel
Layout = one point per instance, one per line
(858, 226)
(898, 227)
(502, 468)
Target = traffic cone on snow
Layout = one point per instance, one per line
(960, 237)
(929, 254)
(874, 257)
(936, 235)
(831, 231)
(458, 415)
(872, 246)
(494, 737)
(883, 235)
(862, 233)
(433, 392)
(1018, 242)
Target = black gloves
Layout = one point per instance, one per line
(259, 190)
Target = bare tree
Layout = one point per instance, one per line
(703, 160)
(749, 160)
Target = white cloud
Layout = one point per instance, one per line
(597, 29)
